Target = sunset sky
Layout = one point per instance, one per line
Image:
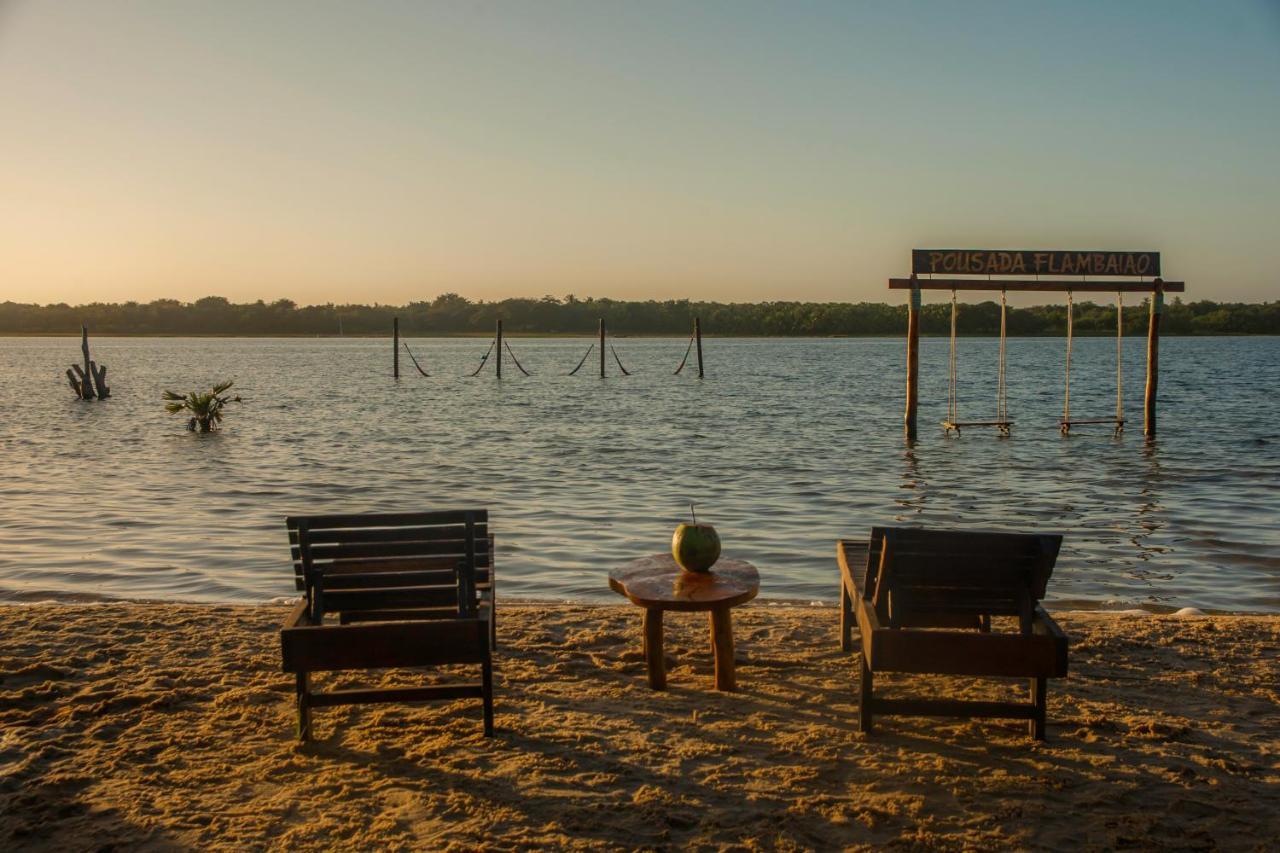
(361, 152)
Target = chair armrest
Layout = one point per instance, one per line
(1042, 623)
(851, 554)
(298, 615)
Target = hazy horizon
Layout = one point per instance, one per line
(733, 152)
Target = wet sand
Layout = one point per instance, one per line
(149, 726)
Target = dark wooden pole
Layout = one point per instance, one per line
(395, 347)
(602, 348)
(697, 336)
(913, 361)
(498, 347)
(86, 384)
(1153, 361)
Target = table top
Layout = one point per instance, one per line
(656, 581)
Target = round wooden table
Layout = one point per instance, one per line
(656, 583)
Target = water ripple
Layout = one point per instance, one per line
(786, 446)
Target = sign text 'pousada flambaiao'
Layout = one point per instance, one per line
(1030, 262)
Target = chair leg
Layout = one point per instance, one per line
(1036, 727)
(865, 681)
(303, 694)
(493, 612)
(846, 618)
(486, 683)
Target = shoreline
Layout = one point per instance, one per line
(485, 335)
(89, 599)
(169, 726)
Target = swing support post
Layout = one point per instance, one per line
(498, 347)
(395, 347)
(602, 348)
(697, 337)
(1153, 361)
(913, 359)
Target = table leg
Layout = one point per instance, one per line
(653, 656)
(722, 647)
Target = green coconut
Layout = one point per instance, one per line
(695, 547)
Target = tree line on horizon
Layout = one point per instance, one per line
(451, 314)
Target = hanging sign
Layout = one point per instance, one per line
(1031, 262)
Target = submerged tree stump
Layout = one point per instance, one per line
(90, 381)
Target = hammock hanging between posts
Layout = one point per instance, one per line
(1067, 422)
(625, 372)
(687, 350)
(484, 359)
(1001, 420)
(507, 344)
(414, 360)
(584, 360)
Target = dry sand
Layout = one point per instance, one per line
(158, 726)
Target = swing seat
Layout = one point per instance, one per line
(1065, 425)
(1003, 426)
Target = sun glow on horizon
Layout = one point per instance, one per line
(390, 153)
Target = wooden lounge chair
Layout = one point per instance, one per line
(923, 601)
(406, 590)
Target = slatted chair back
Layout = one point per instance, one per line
(916, 574)
(366, 566)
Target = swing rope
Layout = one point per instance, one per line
(1066, 400)
(485, 358)
(584, 360)
(1002, 396)
(1119, 357)
(687, 350)
(951, 376)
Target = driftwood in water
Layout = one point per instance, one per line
(89, 381)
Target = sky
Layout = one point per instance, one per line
(734, 151)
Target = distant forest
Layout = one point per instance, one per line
(451, 314)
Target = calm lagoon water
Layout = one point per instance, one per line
(785, 446)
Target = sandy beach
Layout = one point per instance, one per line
(153, 726)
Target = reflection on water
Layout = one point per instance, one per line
(786, 446)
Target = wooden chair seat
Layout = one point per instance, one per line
(407, 590)
(923, 602)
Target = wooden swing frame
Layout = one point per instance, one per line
(1118, 267)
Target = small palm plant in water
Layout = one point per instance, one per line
(205, 408)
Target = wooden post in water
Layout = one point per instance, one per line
(913, 359)
(395, 347)
(602, 348)
(88, 367)
(1153, 361)
(697, 337)
(498, 346)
